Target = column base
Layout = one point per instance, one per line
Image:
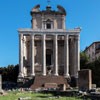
(67, 76)
(21, 75)
(20, 79)
(32, 75)
(55, 74)
(44, 74)
(74, 81)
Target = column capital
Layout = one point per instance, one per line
(43, 36)
(66, 36)
(32, 36)
(77, 37)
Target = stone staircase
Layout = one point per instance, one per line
(28, 82)
(40, 81)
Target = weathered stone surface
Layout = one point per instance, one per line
(49, 44)
(50, 85)
(49, 81)
(85, 79)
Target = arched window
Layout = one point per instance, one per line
(48, 24)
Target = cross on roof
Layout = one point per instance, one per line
(48, 2)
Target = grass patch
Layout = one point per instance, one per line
(35, 96)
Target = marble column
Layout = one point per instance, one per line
(21, 55)
(32, 56)
(76, 56)
(71, 56)
(44, 54)
(55, 55)
(24, 56)
(66, 56)
(77, 38)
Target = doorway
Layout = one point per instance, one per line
(48, 59)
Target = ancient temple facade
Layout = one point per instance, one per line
(48, 47)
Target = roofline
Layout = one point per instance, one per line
(91, 45)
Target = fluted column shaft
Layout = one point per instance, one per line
(55, 55)
(66, 59)
(21, 55)
(32, 56)
(44, 54)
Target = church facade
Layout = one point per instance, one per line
(48, 47)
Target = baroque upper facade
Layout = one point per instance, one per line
(48, 47)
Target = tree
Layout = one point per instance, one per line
(9, 73)
(95, 67)
(83, 60)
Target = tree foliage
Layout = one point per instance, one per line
(83, 59)
(9, 73)
(94, 66)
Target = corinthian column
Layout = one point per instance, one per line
(21, 55)
(44, 54)
(76, 56)
(55, 55)
(66, 56)
(77, 38)
(32, 56)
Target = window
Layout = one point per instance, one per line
(48, 25)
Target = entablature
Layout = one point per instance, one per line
(28, 31)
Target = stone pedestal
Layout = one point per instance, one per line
(85, 79)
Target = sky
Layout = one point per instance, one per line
(15, 14)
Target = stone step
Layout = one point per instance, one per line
(40, 81)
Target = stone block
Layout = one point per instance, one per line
(85, 79)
